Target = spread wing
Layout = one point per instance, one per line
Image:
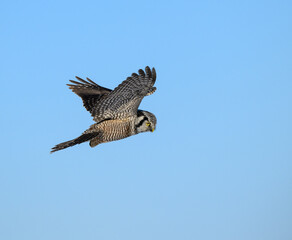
(90, 92)
(125, 99)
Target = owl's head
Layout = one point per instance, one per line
(145, 122)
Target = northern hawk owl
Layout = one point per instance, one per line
(115, 111)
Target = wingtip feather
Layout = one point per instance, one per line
(153, 74)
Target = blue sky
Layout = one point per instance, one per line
(217, 167)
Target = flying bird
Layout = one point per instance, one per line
(115, 111)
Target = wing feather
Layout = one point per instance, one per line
(125, 99)
(90, 92)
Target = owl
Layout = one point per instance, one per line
(115, 111)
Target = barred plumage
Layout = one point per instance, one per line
(115, 111)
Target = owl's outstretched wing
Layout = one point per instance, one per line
(125, 99)
(90, 92)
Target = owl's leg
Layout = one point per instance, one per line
(95, 141)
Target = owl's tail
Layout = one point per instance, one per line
(83, 138)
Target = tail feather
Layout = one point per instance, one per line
(83, 138)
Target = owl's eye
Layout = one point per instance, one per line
(148, 124)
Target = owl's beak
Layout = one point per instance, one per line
(152, 130)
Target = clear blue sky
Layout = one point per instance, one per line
(219, 165)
